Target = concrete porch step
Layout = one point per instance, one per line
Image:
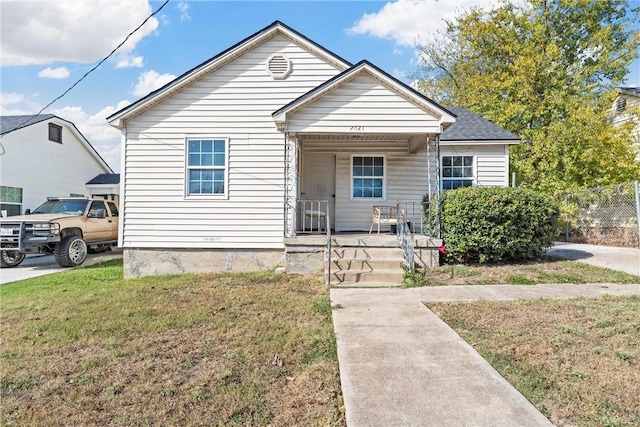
(351, 277)
(370, 264)
(364, 252)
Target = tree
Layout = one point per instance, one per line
(545, 70)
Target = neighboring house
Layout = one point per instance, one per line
(43, 156)
(625, 108)
(217, 162)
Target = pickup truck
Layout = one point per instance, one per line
(68, 228)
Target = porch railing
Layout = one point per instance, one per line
(327, 268)
(404, 236)
(313, 216)
(417, 219)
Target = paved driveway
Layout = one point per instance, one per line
(40, 265)
(621, 259)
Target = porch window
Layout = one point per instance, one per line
(207, 166)
(367, 177)
(457, 171)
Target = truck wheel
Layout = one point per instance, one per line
(71, 251)
(11, 259)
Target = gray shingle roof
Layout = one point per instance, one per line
(632, 90)
(11, 123)
(105, 178)
(471, 127)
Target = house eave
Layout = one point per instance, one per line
(480, 142)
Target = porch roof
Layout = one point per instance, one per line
(428, 106)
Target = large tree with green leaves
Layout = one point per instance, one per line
(545, 70)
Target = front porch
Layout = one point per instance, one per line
(358, 259)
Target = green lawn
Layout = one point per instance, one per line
(85, 347)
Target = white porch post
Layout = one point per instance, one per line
(291, 175)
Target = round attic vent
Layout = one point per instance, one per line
(278, 66)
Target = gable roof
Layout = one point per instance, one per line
(364, 67)
(224, 57)
(471, 127)
(10, 124)
(105, 179)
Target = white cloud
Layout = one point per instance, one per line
(54, 73)
(183, 8)
(41, 32)
(11, 98)
(405, 21)
(128, 61)
(150, 81)
(104, 138)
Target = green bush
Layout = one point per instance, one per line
(491, 225)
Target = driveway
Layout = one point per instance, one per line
(621, 259)
(40, 265)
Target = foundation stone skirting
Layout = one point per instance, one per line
(155, 262)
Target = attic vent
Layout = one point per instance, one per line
(621, 104)
(278, 66)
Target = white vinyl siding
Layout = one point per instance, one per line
(491, 162)
(237, 101)
(362, 105)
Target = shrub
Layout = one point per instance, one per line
(491, 225)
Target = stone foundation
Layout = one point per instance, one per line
(156, 262)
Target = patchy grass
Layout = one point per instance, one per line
(577, 360)
(85, 347)
(546, 270)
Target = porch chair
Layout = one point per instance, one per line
(385, 215)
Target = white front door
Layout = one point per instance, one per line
(319, 180)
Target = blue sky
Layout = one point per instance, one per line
(48, 45)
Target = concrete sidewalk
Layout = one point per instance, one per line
(621, 259)
(400, 365)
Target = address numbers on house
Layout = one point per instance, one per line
(356, 128)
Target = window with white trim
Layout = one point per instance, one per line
(367, 177)
(457, 171)
(207, 166)
(10, 200)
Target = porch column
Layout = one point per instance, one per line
(291, 175)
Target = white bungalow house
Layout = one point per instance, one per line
(45, 155)
(219, 166)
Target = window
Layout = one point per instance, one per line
(457, 171)
(11, 200)
(76, 195)
(367, 177)
(55, 133)
(113, 208)
(207, 166)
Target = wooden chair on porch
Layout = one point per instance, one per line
(384, 215)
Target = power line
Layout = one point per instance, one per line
(97, 65)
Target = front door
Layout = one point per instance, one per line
(319, 180)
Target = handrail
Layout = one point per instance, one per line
(313, 216)
(404, 236)
(328, 252)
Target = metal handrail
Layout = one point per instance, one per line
(313, 216)
(404, 236)
(328, 257)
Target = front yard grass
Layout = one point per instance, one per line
(545, 270)
(85, 347)
(577, 360)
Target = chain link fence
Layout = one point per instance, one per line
(601, 216)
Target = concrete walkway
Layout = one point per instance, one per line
(400, 365)
(621, 259)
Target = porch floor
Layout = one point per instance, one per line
(363, 239)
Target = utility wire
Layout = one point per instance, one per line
(96, 66)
